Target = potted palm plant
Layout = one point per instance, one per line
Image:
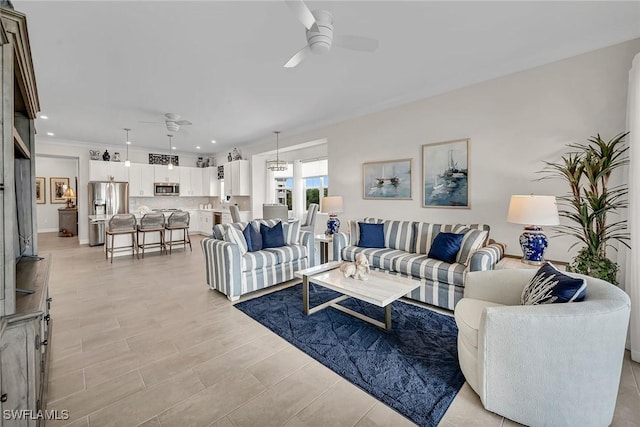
(587, 168)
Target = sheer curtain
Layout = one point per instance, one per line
(632, 271)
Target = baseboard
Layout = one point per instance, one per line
(47, 230)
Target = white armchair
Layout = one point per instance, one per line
(552, 364)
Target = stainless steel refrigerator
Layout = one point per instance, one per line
(105, 198)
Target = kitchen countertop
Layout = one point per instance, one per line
(105, 217)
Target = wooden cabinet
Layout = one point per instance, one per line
(162, 173)
(141, 179)
(107, 171)
(67, 222)
(237, 178)
(210, 182)
(191, 181)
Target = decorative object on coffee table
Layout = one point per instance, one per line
(106, 156)
(387, 180)
(333, 205)
(445, 174)
(58, 187)
(358, 270)
(533, 211)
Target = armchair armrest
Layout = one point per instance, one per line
(307, 238)
(487, 257)
(340, 241)
(223, 263)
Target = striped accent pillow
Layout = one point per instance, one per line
(233, 235)
(399, 235)
(291, 232)
(471, 242)
(424, 234)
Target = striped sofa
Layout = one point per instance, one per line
(235, 273)
(407, 244)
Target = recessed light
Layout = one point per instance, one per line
(128, 142)
(173, 148)
(44, 117)
(198, 147)
(213, 141)
(51, 134)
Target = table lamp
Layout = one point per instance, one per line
(332, 205)
(533, 211)
(69, 195)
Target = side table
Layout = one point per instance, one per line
(68, 222)
(508, 262)
(325, 241)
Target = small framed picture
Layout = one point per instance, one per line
(58, 187)
(387, 180)
(445, 174)
(41, 190)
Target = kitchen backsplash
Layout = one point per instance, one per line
(171, 202)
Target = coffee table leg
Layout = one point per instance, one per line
(387, 317)
(305, 294)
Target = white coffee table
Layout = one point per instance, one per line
(381, 290)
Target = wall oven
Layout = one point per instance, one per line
(166, 189)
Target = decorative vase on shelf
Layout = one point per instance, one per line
(116, 157)
(106, 156)
(200, 162)
(229, 157)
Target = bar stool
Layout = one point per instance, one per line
(151, 223)
(121, 224)
(178, 221)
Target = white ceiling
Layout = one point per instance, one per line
(104, 66)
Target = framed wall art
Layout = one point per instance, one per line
(57, 187)
(41, 190)
(445, 174)
(387, 180)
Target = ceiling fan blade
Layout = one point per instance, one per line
(302, 12)
(298, 57)
(363, 44)
(184, 123)
(142, 121)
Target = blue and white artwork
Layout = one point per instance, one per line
(445, 174)
(387, 180)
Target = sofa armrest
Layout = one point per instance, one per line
(307, 238)
(501, 286)
(487, 257)
(223, 262)
(340, 241)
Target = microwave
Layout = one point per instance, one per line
(166, 189)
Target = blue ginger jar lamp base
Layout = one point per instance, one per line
(533, 243)
(333, 225)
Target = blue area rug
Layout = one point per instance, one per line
(413, 367)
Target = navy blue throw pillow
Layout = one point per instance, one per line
(445, 247)
(371, 235)
(272, 237)
(549, 286)
(253, 238)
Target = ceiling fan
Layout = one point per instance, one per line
(173, 122)
(320, 38)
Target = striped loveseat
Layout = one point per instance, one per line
(233, 271)
(407, 244)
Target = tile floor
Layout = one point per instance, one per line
(145, 342)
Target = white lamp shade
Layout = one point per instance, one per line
(533, 210)
(332, 204)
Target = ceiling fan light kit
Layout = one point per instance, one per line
(170, 165)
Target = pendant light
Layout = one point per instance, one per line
(277, 165)
(170, 165)
(127, 163)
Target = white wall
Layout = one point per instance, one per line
(47, 167)
(514, 122)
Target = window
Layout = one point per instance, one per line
(284, 191)
(316, 181)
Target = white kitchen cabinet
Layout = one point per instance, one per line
(191, 182)
(205, 222)
(106, 171)
(210, 183)
(194, 221)
(237, 178)
(141, 180)
(161, 173)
